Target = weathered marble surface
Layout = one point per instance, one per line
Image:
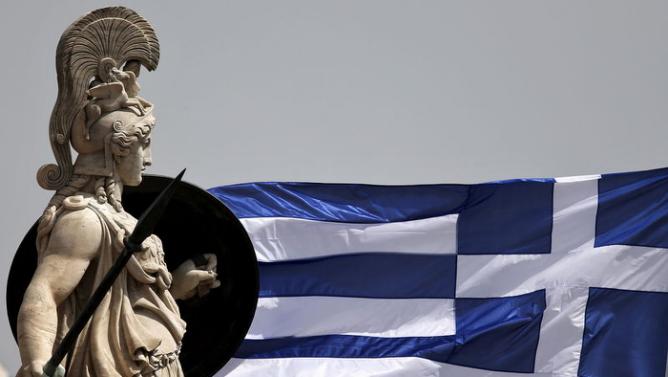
(137, 330)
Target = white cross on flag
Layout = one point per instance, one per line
(556, 277)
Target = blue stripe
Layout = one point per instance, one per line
(350, 203)
(510, 218)
(626, 334)
(496, 334)
(500, 333)
(372, 275)
(633, 209)
(345, 346)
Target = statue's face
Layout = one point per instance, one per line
(131, 166)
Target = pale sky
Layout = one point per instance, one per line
(376, 91)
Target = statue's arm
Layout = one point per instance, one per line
(73, 243)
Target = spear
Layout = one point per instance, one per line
(143, 229)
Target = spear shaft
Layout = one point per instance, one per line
(144, 228)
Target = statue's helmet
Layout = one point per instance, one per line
(98, 60)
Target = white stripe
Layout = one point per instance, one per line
(615, 266)
(573, 228)
(383, 367)
(309, 316)
(574, 218)
(578, 178)
(280, 238)
(560, 340)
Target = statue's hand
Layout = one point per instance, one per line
(34, 369)
(190, 280)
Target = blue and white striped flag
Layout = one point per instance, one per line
(543, 277)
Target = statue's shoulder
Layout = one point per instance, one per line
(75, 203)
(77, 229)
(85, 203)
(78, 209)
(86, 208)
(81, 211)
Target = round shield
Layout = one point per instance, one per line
(194, 223)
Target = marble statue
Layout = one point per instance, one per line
(137, 329)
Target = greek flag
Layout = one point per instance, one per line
(556, 277)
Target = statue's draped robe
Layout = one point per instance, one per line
(115, 343)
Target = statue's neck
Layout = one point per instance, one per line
(95, 183)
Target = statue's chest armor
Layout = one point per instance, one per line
(124, 220)
(151, 254)
(151, 257)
